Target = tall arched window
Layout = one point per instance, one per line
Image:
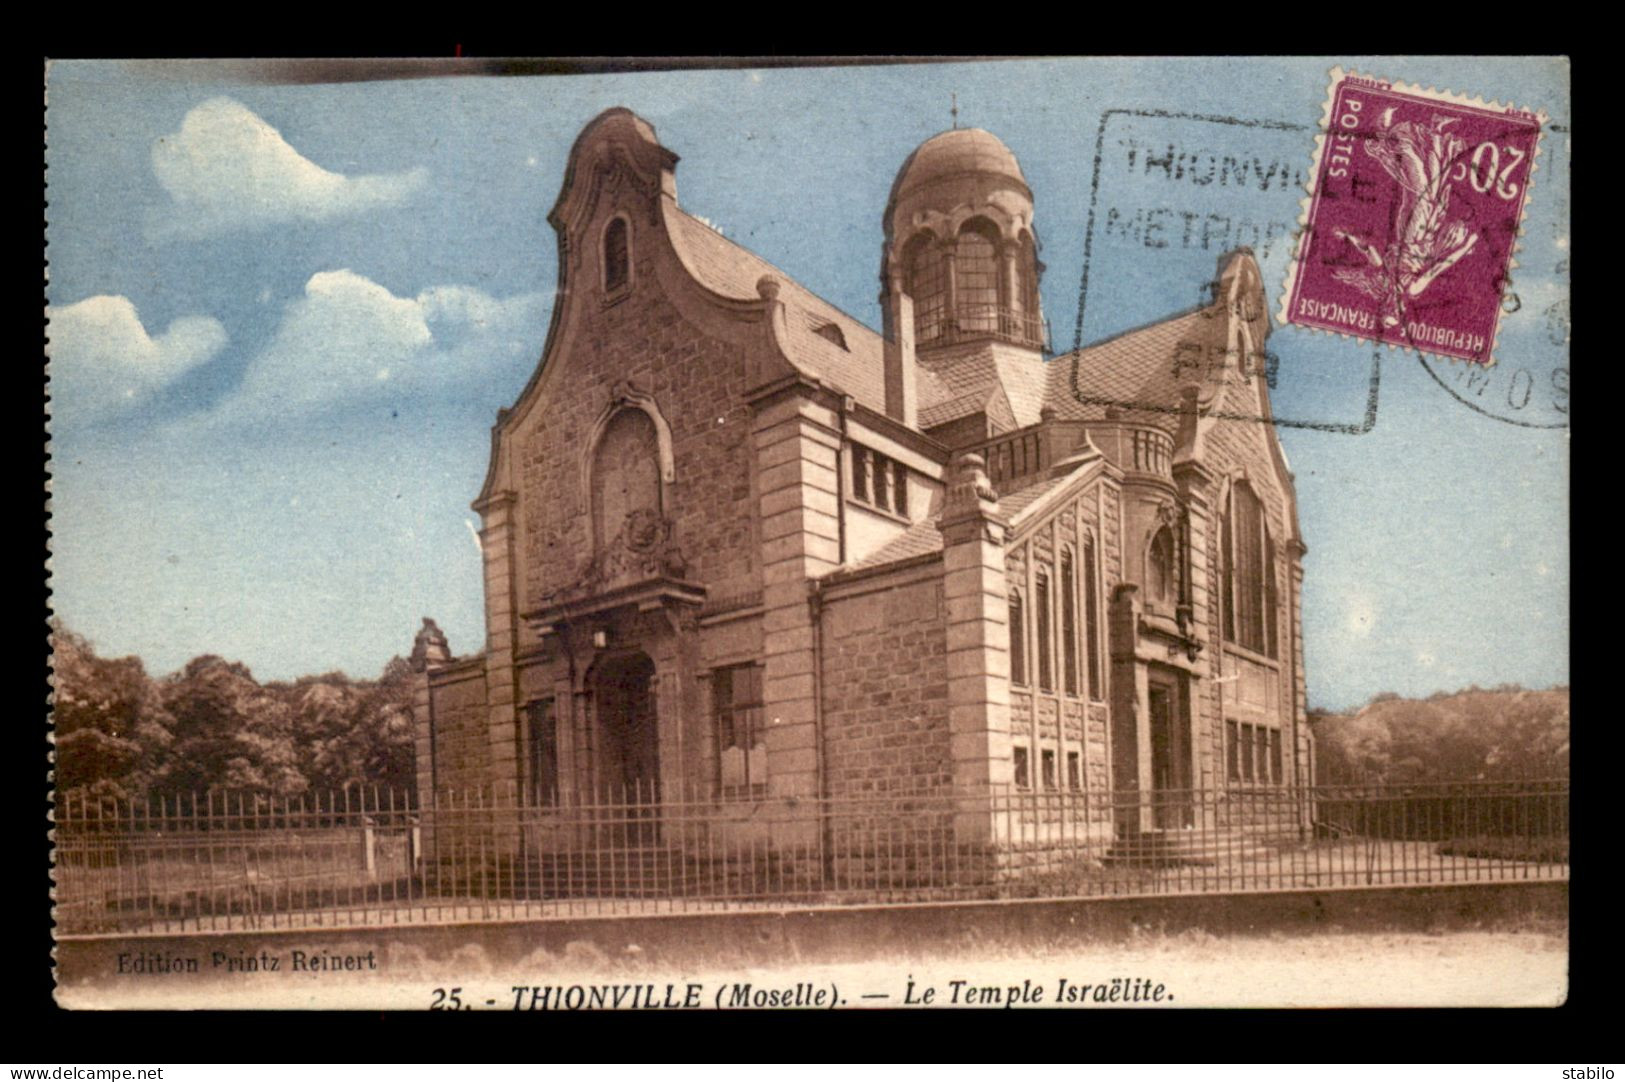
(976, 280)
(1249, 572)
(1159, 570)
(625, 473)
(1018, 639)
(928, 287)
(617, 255)
(1046, 644)
(1069, 624)
(1091, 619)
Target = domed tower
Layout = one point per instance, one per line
(960, 244)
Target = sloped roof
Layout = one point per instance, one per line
(1136, 367)
(732, 270)
(920, 539)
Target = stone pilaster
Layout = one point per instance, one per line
(797, 454)
(501, 616)
(977, 604)
(429, 648)
(1131, 717)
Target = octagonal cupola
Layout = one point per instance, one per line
(960, 244)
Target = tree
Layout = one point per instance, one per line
(111, 727)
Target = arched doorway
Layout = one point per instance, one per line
(628, 742)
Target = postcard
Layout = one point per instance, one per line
(1072, 533)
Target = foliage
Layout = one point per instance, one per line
(1503, 732)
(211, 726)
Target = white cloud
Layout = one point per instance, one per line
(102, 357)
(349, 338)
(226, 169)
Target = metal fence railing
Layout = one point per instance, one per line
(366, 857)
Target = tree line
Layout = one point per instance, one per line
(1487, 733)
(122, 733)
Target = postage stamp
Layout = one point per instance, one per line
(1410, 228)
(505, 553)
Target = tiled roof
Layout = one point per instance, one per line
(1137, 367)
(918, 540)
(1016, 502)
(733, 270)
(1007, 383)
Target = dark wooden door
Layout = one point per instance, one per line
(629, 767)
(1170, 758)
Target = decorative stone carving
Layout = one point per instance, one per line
(642, 549)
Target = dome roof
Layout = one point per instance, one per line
(957, 153)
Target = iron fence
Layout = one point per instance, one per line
(368, 857)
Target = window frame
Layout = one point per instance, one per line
(614, 291)
(754, 727)
(1017, 617)
(1092, 631)
(1044, 626)
(1251, 594)
(537, 712)
(1069, 623)
(877, 482)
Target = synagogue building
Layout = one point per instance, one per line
(743, 551)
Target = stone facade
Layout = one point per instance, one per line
(743, 552)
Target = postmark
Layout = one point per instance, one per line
(1177, 191)
(1410, 228)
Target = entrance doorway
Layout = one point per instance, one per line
(629, 747)
(1170, 754)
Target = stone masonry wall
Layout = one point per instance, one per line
(698, 382)
(462, 749)
(885, 687)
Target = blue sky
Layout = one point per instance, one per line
(284, 317)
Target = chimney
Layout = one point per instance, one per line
(901, 403)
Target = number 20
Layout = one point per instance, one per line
(1482, 178)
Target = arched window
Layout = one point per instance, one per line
(1159, 569)
(928, 287)
(1046, 644)
(976, 280)
(1091, 619)
(1249, 573)
(1069, 624)
(625, 473)
(617, 255)
(1018, 639)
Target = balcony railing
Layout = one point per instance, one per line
(968, 322)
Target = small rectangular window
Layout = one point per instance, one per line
(882, 481)
(899, 501)
(1074, 772)
(1232, 750)
(1275, 756)
(1023, 777)
(1047, 762)
(860, 473)
(542, 762)
(1247, 764)
(736, 698)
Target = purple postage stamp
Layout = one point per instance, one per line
(1410, 228)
